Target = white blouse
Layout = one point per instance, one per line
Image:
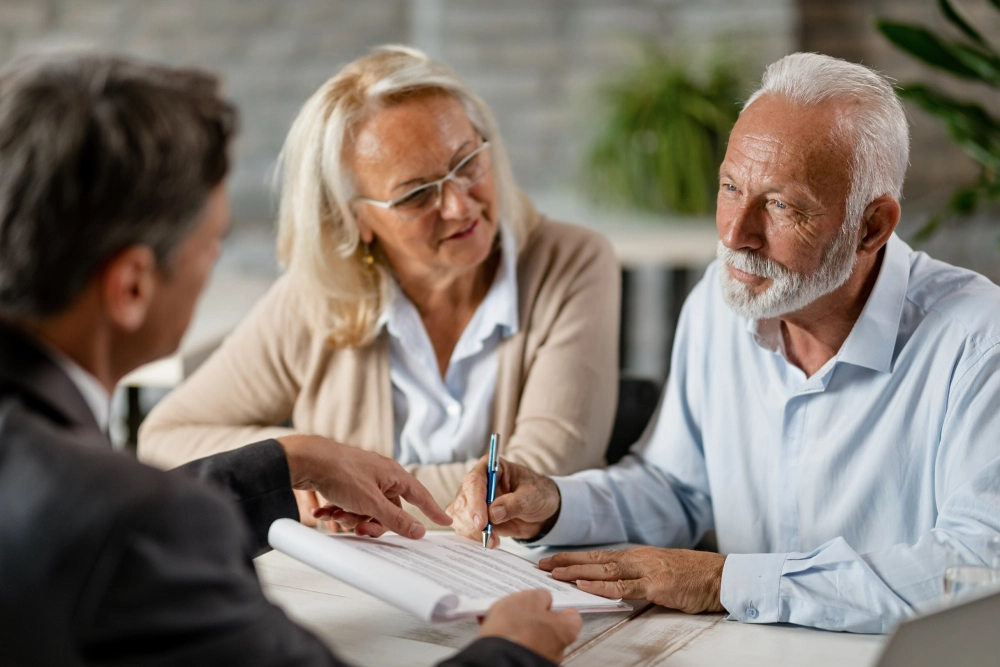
(448, 420)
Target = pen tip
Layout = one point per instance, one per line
(486, 539)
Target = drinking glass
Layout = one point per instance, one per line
(964, 581)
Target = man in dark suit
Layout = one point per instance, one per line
(112, 210)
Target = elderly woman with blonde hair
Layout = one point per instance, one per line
(425, 304)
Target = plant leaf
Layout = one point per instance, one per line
(927, 230)
(663, 137)
(925, 45)
(963, 201)
(986, 64)
(959, 22)
(969, 125)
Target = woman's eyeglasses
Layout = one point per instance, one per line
(423, 199)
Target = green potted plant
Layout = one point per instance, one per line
(975, 130)
(663, 137)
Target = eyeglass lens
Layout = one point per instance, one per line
(422, 200)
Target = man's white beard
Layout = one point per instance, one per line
(788, 291)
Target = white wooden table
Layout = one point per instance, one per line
(366, 631)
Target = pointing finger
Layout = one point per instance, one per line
(394, 518)
(418, 495)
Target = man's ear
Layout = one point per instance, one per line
(878, 223)
(128, 283)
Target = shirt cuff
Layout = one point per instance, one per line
(574, 514)
(750, 584)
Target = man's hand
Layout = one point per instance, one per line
(690, 581)
(362, 489)
(308, 504)
(525, 618)
(525, 503)
(313, 508)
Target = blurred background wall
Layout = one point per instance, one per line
(538, 63)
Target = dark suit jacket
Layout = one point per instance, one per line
(106, 561)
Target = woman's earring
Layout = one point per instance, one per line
(369, 259)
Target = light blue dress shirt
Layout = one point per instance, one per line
(445, 420)
(842, 497)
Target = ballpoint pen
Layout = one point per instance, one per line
(491, 485)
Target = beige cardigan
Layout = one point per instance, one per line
(557, 378)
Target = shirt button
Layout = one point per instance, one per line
(751, 612)
(454, 409)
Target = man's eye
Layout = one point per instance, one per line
(780, 204)
(729, 187)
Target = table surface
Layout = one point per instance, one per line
(365, 631)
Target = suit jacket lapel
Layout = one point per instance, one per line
(25, 368)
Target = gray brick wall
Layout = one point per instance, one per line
(272, 54)
(537, 62)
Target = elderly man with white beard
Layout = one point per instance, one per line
(833, 407)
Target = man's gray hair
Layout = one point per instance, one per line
(877, 120)
(99, 153)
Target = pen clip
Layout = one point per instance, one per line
(494, 453)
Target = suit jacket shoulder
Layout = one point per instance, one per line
(106, 560)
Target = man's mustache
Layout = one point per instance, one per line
(750, 261)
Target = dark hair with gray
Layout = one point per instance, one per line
(99, 153)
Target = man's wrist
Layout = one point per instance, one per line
(716, 587)
(548, 524)
(551, 521)
(296, 449)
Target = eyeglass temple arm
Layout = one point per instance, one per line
(375, 202)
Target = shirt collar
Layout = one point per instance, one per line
(872, 340)
(93, 392)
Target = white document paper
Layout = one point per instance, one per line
(438, 578)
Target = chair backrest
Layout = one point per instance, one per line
(637, 401)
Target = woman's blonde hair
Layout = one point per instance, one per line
(318, 238)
